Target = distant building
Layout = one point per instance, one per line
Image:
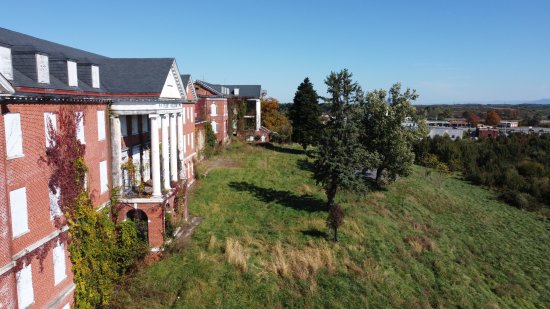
(508, 124)
(454, 134)
(487, 132)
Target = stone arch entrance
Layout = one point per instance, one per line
(142, 222)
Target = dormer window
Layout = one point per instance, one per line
(72, 74)
(5, 62)
(95, 76)
(236, 91)
(42, 69)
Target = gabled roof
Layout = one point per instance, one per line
(117, 75)
(250, 91)
(208, 87)
(187, 81)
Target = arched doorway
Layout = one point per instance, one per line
(140, 219)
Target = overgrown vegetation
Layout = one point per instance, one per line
(517, 166)
(433, 241)
(100, 251)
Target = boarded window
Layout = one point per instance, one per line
(213, 109)
(146, 164)
(80, 128)
(192, 141)
(59, 266)
(25, 293)
(136, 160)
(184, 114)
(72, 73)
(185, 143)
(134, 120)
(145, 123)
(49, 118)
(103, 178)
(100, 125)
(14, 136)
(55, 210)
(123, 126)
(214, 127)
(95, 76)
(42, 69)
(67, 306)
(18, 208)
(6, 68)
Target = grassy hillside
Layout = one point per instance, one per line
(426, 241)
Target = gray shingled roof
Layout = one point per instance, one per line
(117, 75)
(251, 91)
(185, 79)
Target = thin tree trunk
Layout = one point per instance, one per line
(379, 172)
(336, 235)
(331, 193)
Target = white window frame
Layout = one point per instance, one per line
(13, 135)
(59, 263)
(72, 74)
(101, 134)
(95, 76)
(213, 109)
(42, 69)
(103, 177)
(25, 291)
(6, 66)
(19, 212)
(47, 118)
(55, 210)
(80, 127)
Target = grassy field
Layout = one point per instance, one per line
(428, 241)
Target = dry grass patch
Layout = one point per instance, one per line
(421, 243)
(236, 254)
(304, 189)
(300, 263)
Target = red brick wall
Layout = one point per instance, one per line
(155, 216)
(30, 172)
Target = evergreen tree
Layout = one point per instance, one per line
(339, 157)
(304, 114)
(383, 134)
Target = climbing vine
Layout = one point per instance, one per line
(100, 251)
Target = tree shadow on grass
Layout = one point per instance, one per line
(272, 147)
(305, 165)
(305, 202)
(314, 233)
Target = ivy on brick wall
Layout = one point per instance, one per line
(100, 250)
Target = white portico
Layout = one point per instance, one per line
(166, 146)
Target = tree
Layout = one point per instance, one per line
(473, 119)
(492, 118)
(382, 133)
(339, 157)
(305, 115)
(335, 218)
(275, 120)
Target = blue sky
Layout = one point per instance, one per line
(450, 51)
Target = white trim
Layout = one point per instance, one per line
(39, 243)
(4, 269)
(56, 302)
(5, 86)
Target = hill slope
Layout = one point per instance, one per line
(426, 241)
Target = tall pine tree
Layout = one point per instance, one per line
(339, 158)
(304, 114)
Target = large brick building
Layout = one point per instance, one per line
(134, 112)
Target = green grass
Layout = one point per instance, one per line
(427, 241)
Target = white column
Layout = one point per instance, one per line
(173, 149)
(155, 156)
(115, 150)
(165, 153)
(181, 154)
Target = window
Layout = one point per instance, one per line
(95, 76)
(103, 179)
(145, 123)
(123, 126)
(72, 74)
(18, 208)
(185, 143)
(214, 127)
(42, 69)
(59, 266)
(192, 140)
(145, 165)
(184, 114)
(80, 132)
(6, 68)
(136, 160)
(14, 136)
(236, 91)
(25, 294)
(49, 118)
(134, 121)
(67, 306)
(55, 210)
(100, 125)
(213, 109)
